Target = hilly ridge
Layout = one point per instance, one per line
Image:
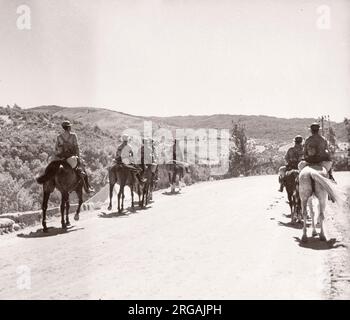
(260, 127)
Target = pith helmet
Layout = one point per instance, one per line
(315, 125)
(298, 139)
(66, 124)
(125, 137)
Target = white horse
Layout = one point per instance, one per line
(321, 189)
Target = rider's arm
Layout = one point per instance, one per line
(306, 155)
(287, 156)
(58, 148)
(76, 145)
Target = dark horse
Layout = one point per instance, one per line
(66, 181)
(149, 173)
(124, 177)
(292, 188)
(176, 170)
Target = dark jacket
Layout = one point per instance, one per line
(316, 149)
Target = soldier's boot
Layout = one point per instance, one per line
(84, 178)
(330, 175)
(281, 184)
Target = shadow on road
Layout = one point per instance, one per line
(124, 214)
(315, 243)
(52, 231)
(169, 193)
(293, 225)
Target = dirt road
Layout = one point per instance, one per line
(215, 240)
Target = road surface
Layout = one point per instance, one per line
(227, 239)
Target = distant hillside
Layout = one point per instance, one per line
(113, 121)
(260, 127)
(263, 128)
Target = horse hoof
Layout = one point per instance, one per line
(322, 237)
(76, 217)
(64, 226)
(68, 224)
(304, 238)
(314, 233)
(45, 229)
(109, 208)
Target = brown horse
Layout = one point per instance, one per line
(124, 177)
(66, 181)
(292, 188)
(147, 190)
(176, 170)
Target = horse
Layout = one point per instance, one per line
(149, 173)
(314, 182)
(291, 183)
(66, 180)
(124, 177)
(175, 171)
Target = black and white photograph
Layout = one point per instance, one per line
(175, 150)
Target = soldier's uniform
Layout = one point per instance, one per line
(293, 156)
(67, 149)
(316, 152)
(125, 157)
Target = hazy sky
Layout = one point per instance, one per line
(179, 57)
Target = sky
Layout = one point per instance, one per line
(177, 57)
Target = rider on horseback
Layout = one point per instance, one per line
(316, 151)
(125, 158)
(66, 149)
(293, 156)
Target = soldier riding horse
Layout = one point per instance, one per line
(66, 173)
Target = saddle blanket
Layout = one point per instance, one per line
(73, 161)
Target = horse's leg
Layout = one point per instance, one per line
(298, 202)
(132, 195)
(309, 204)
(119, 195)
(139, 195)
(67, 211)
(80, 197)
(44, 208)
(290, 202)
(111, 187)
(151, 191)
(146, 193)
(64, 197)
(312, 214)
(318, 217)
(322, 200)
(123, 196)
(304, 212)
(142, 195)
(172, 182)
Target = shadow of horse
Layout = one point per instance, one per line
(290, 224)
(51, 231)
(170, 193)
(124, 214)
(315, 243)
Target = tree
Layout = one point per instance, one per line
(242, 156)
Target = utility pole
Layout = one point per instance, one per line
(324, 119)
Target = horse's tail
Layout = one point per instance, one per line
(50, 171)
(328, 186)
